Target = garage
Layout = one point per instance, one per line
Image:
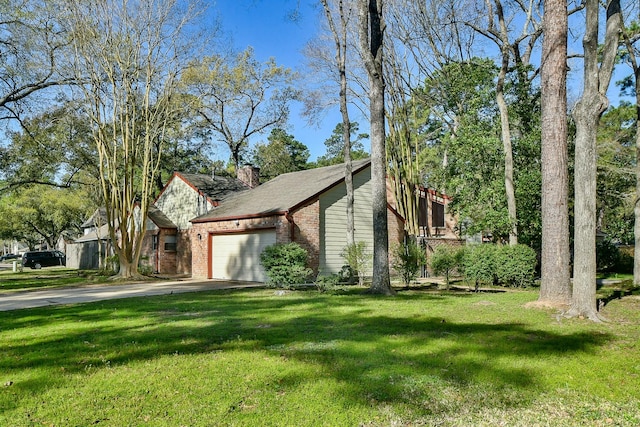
(236, 256)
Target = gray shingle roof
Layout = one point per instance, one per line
(159, 218)
(216, 188)
(281, 193)
(98, 218)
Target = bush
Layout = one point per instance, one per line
(407, 259)
(479, 264)
(516, 265)
(445, 260)
(500, 264)
(358, 259)
(327, 283)
(285, 265)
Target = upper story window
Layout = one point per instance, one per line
(437, 214)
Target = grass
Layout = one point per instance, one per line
(47, 278)
(301, 358)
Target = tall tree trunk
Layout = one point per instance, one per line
(506, 129)
(371, 41)
(587, 115)
(555, 286)
(633, 60)
(340, 40)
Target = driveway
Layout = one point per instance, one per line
(73, 295)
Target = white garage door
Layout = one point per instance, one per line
(237, 256)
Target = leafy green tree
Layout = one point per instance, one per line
(408, 259)
(463, 154)
(445, 260)
(238, 98)
(33, 46)
(43, 214)
(280, 155)
(335, 146)
(54, 148)
(616, 179)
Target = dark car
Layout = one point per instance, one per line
(7, 257)
(39, 259)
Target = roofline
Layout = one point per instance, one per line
(340, 180)
(247, 216)
(186, 181)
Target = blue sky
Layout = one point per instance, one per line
(265, 26)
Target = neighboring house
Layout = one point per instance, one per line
(307, 207)
(89, 251)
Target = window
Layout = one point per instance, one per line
(170, 243)
(422, 212)
(437, 214)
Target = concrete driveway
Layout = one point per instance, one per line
(73, 295)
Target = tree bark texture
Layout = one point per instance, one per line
(555, 287)
(587, 116)
(633, 60)
(340, 40)
(371, 41)
(505, 128)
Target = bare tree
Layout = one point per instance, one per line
(238, 98)
(127, 60)
(371, 31)
(598, 69)
(339, 27)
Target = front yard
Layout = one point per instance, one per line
(300, 358)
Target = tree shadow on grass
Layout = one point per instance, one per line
(376, 354)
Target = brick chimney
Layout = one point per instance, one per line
(249, 175)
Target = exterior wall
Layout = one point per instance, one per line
(306, 232)
(180, 202)
(183, 253)
(200, 235)
(158, 260)
(87, 255)
(333, 227)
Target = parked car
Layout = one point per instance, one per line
(8, 257)
(39, 259)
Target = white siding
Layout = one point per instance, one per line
(181, 203)
(333, 223)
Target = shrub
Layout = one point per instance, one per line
(607, 255)
(285, 265)
(500, 264)
(445, 260)
(479, 264)
(407, 259)
(327, 283)
(515, 265)
(358, 259)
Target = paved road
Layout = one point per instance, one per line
(73, 295)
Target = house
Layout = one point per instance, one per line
(307, 207)
(91, 250)
(166, 248)
(186, 196)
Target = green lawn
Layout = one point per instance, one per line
(47, 278)
(301, 358)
